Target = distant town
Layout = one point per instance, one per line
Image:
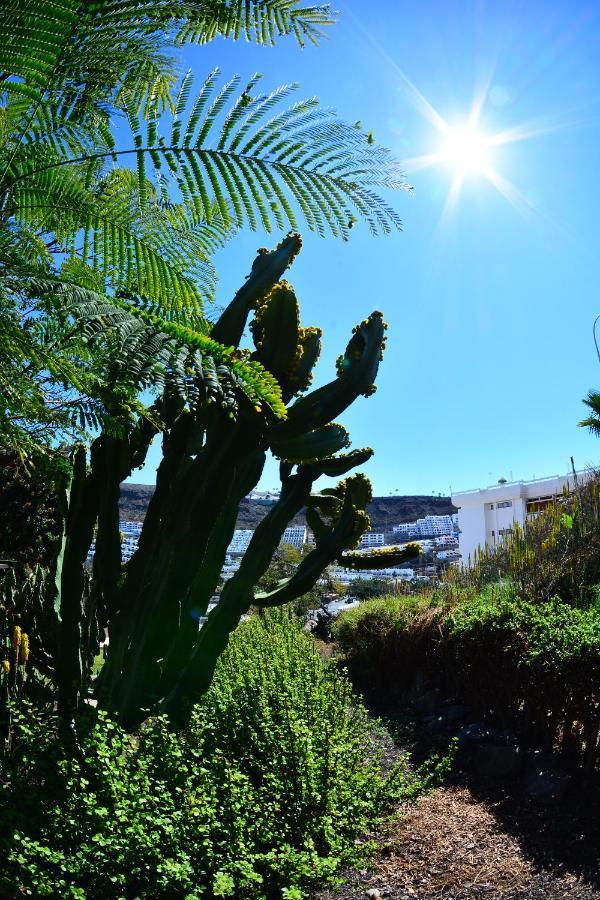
(437, 536)
(482, 517)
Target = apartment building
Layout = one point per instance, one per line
(295, 535)
(239, 542)
(428, 526)
(372, 539)
(487, 515)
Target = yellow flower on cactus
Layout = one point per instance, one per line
(24, 652)
(5, 666)
(17, 633)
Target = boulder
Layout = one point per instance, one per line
(498, 760)
(428, 703)
(548, 786)
(472, 734)
(454, 714)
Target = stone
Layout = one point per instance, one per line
(428, 702)
(454, 714)
(498, 760)
(473, 733)
(548, 786)
(373, 893)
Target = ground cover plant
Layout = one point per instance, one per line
(268, 790)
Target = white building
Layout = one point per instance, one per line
(239, 542)
(487, 515)
(346, 576)
(295, 535)
(372, 539)
(428, 526)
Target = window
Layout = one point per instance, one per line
(491, 505)
(504, 504)
(504, 531)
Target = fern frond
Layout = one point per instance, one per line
(262, 21)
(253, 166)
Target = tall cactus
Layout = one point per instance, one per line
(158, 658)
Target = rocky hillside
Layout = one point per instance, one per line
(384, 511)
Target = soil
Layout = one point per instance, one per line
(477, 837)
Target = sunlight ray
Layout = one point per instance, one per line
(418, 163)
(510, 192)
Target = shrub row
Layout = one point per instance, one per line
(535, 667)
(267, 791)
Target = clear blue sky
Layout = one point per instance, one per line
(490, 307)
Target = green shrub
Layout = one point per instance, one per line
(534, 666)
(386, 640)
(541, 659)
(267, 791)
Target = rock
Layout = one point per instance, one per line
(474, 733)
(454, 714)
(436, 723)
(548, 786)
(498, 760)
(536, 760)
(428, 702)
(310, 626)
(373, 893)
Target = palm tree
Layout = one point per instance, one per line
(593, 421)
(88, 244)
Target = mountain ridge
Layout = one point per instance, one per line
(383, 511)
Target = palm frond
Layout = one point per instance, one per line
(153, 250)
(202, 21)
(592, 422)
(33, 38)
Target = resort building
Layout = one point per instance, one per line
(239, 542)
(372, 539)
(428, 526)
(487, 515)
(295, 535)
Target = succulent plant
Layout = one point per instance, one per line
(158, 658)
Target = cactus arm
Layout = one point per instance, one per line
(317, 444)
(383, 558)
(356, 369)
(236, 598)
(267, 269)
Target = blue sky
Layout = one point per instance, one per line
(490, 304)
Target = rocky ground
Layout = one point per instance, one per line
(483, 836)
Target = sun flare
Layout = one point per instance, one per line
(466, 149)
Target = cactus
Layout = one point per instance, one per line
(158, 658)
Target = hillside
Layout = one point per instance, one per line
(384, 511)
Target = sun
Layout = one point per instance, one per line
(466, 149)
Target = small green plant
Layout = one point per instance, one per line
(266, 792)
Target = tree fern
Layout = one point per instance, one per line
(137, 241)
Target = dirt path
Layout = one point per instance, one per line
(484, 838)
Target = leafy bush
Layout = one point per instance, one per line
(538, 661)
(267, 790)
(387, 640)
(534, 666)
